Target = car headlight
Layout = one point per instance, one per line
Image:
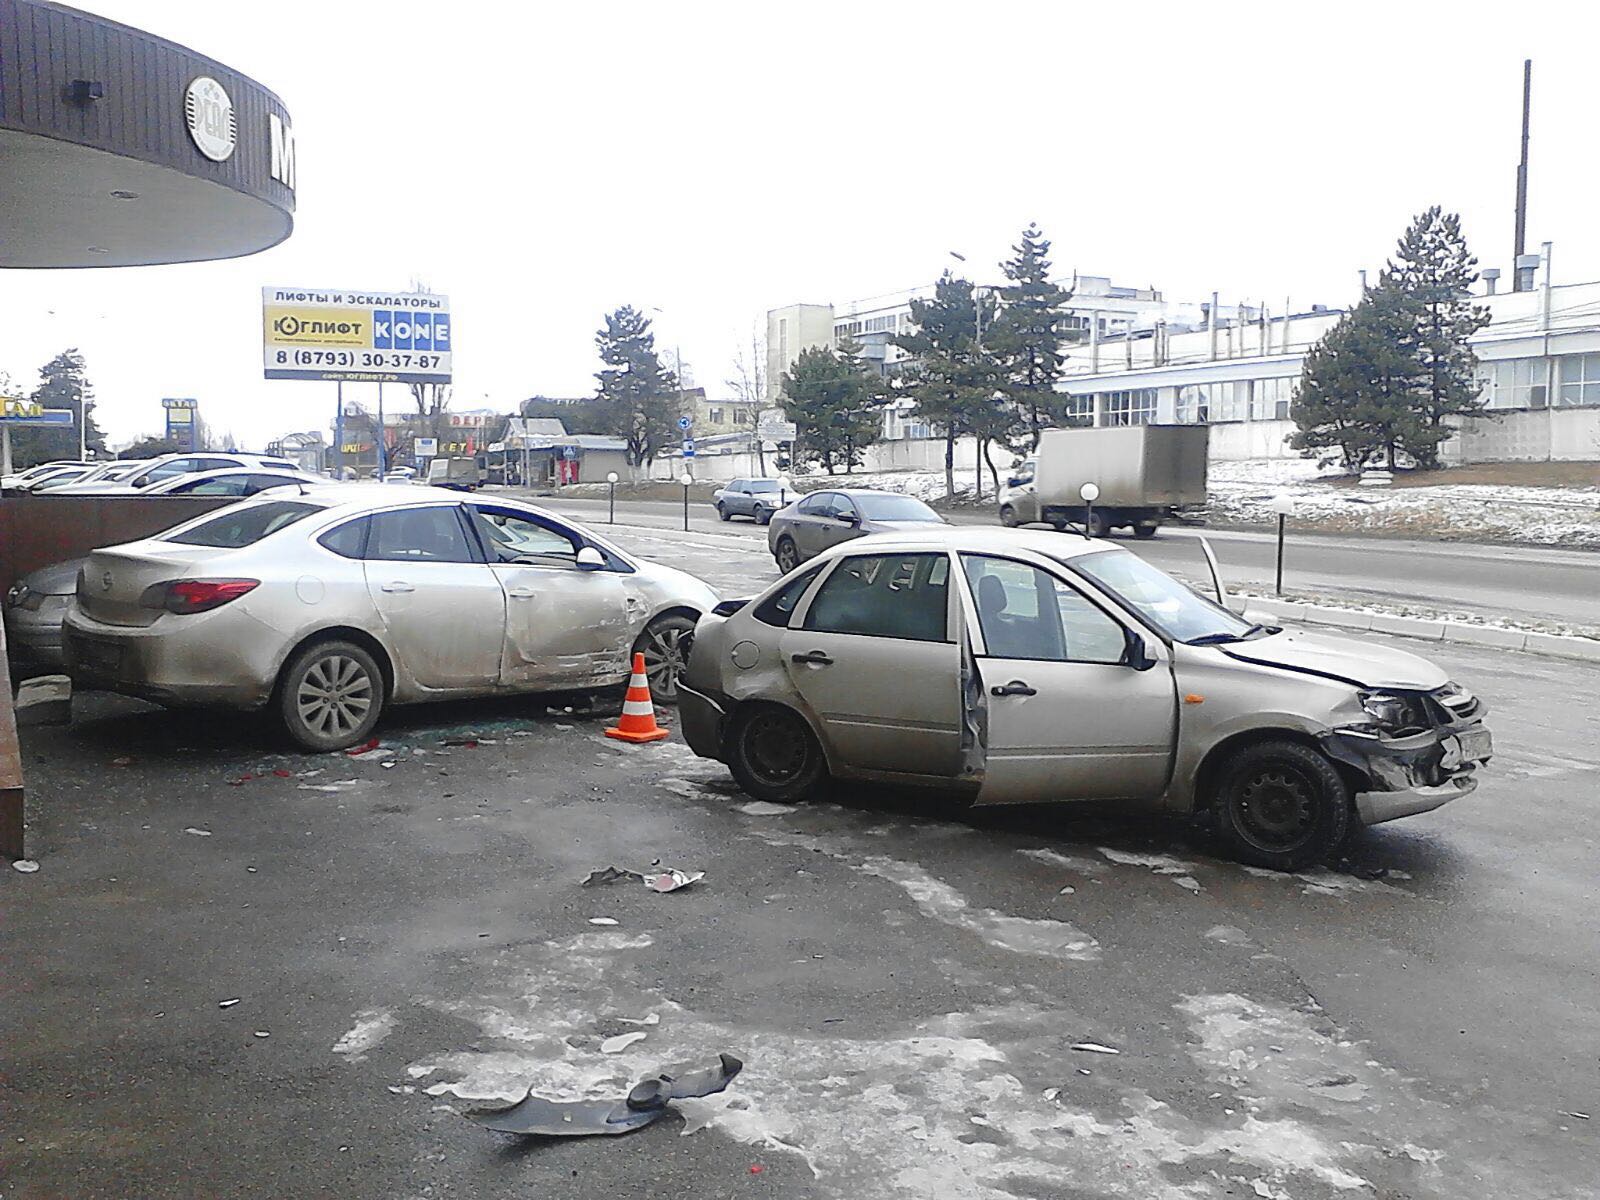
(1396, 712)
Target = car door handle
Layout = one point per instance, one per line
(812, 657)
(1015, 688)
(398, 586)
(521, 593)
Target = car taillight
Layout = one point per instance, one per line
(195, 595)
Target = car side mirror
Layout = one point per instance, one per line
(1138, 654)
(590, 559)
(849, 518)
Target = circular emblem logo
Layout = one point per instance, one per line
(209, 115)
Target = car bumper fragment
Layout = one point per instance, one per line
(702, 720)
(1411, 775)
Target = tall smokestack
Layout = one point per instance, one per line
(1522, 178)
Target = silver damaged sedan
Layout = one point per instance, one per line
(1019, 666)
(329, 605)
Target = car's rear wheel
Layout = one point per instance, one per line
(774, 755)
(1145, 531)
(1282, 805)
(722, 513)
(1094, 524)
(1008, 516)
(330, 696)
(787, 554)
(665, 644)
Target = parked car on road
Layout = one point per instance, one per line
(823, 519)
(1021, 666)
(19, 479)
(169, 465)
(61, 477)
(757, 499)
(35, 607)
(329, 605)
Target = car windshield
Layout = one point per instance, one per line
(894, 508)
(762, 485)
(1181, 614)
(244, 526)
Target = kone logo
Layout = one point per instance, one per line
(393, 330)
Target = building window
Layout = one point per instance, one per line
(714, 416)
(1078, 408)
(1194, 405)
(1580, 381)
(1136, 406)
(1519, 382)
(1269, 399)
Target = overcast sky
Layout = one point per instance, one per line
(545, 163)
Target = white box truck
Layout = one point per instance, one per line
(1144, 473)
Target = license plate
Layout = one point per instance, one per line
(100, 656)
(1476, 744)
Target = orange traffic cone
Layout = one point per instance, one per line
(638, 723)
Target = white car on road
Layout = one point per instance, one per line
(326, 606)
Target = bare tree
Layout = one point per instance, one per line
(432, 399)
(749, 379)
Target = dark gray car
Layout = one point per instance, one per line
(757, 499)
(804, 530)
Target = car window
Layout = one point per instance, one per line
(260, 483)
(166, 470)
(244, 525)
(419, 535)
(1028, 613)
(348, 540)
(817, 505)
(895, 508)
(885, 595)
(510, 537)
(222, 485)
(777, 608)
(762, 485)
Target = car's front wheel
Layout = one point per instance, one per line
(665, 644)
(722, 513)
(1008, 516)
(774, 755)
(330, 696)
(787, 554)
(1281, 805)
(763, 516)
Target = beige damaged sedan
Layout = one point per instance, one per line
(326, 606)
(1025, 666)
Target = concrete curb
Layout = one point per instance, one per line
(1556, 645)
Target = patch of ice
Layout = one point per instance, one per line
(616, 1045)
(765, 808)
(371, 1027)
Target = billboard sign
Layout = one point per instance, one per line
(14, 410)
(370, 337)
(181, 422)
(424, 447)
(771, 426)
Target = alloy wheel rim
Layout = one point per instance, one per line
(1276, 809)
(666, 653)
(334, 696)
(787, 556)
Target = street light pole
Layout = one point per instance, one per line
(611, 515)
(687, 480)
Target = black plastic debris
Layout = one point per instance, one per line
(609, 875)
(534, 1116)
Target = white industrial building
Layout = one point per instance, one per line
(1540, 356)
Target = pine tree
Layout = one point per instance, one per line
(1354, 383)
(1026, 338)
(63, 383)
(952, 379)
(832, 399)
(1434, 273)
(638, 400)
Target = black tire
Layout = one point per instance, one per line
(1008, 516)
(722, 512)
(665, 644)
(330, 696)
(1094, 524)
(763, 516)
(786, 555)
(1145, 531)
(774, 755)
(1281, 805)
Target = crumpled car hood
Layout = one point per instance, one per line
(1365, 664)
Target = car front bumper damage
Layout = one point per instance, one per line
(1410, 775)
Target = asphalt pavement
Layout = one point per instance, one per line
(247, 972)
(1522, 584)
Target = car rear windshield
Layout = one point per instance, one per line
(894, 508)
(245, 526)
